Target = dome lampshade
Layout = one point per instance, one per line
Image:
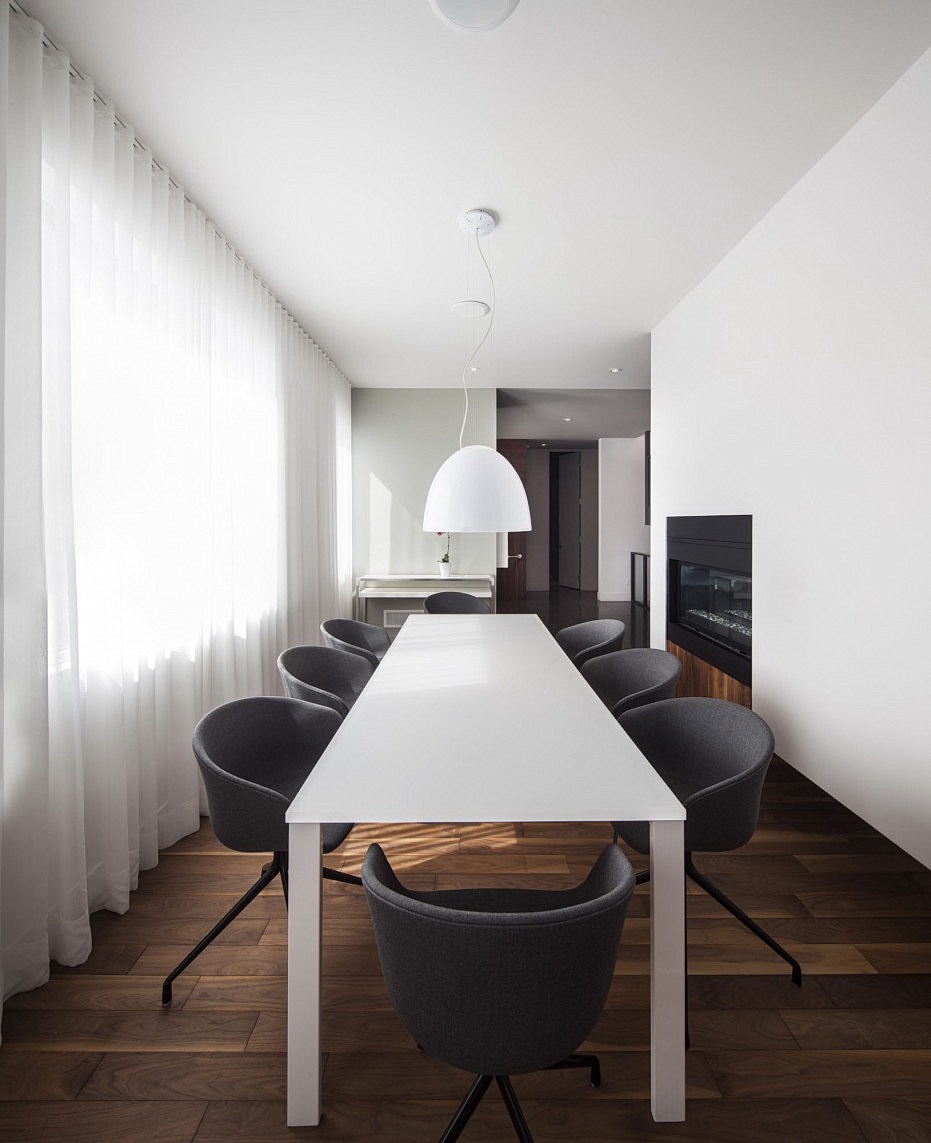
(476, 490)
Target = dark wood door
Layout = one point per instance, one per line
(570, 520)
(512, 581)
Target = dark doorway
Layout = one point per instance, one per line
(566, 520)
(512, 580)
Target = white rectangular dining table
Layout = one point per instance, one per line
(483, 718)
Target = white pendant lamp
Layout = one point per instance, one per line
(477, 489)
(473, 15)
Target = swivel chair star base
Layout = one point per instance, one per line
(254, 755)
(477, 1091)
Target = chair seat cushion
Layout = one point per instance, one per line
(334, 834)
(636, 834)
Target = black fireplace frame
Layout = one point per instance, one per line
(724, 543)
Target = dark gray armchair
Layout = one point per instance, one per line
(583, 641)
(324, 676)
(363, 639)
(500, 981)
(627, 679)
(455, 603)
(254, 755)
(713, 755)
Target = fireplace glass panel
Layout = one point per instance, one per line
(717, 604)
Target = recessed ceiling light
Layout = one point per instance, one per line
(471, 308)
(542, 444)
(614, 369)
(567, 418)
(474, 368)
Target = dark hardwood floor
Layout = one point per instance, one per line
(92, 1056)
(564, 607)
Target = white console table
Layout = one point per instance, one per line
(403, 594)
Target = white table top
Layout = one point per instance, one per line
(480, 718)
(413, 592)
(394, 577)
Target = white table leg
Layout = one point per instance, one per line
(305, 905)
(667, 971)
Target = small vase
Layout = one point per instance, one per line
(443, 565)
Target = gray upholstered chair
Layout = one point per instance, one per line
(627, 679)
(713, 755)
(500, 981)
(455, 603)
(254, 755)
(584, 641)
(363, 639)
(324, 676)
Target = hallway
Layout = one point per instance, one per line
(564, 607)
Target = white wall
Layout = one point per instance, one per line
(795, 384)
(400, 437)
(621, 529)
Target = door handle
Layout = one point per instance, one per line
(519, 556)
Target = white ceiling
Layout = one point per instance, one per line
(626, 144)
(541, 414)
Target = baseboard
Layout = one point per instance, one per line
(614, 597)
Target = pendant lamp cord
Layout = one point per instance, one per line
(491, 322)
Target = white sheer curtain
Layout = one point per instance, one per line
(174, 502)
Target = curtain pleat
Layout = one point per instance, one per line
(175, 502)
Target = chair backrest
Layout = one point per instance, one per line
(583, 641)
(499, 981)
(254, 755)
(714, 756)
(324, 676)
(627, 679)
(363, 639)
(455, 603)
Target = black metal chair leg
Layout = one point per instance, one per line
(338, 875)
(509, 1095)
(466, 1109)
(713, 891)
(269, 873)
(579, 1060)
(283, 874)
(642, 877)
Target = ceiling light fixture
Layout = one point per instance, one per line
(567, 418)
(614, 369)
(476, 489)
(473, 15)
(471, 308)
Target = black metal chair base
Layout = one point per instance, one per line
(512, 1103)
(735, 910)
(277, 867)
(722, 898)
(338, 875)
(477, 1091)
(582, 1061)
(269, 872)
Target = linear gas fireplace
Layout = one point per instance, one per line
(710, 590)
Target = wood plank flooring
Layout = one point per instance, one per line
(92, 1055)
